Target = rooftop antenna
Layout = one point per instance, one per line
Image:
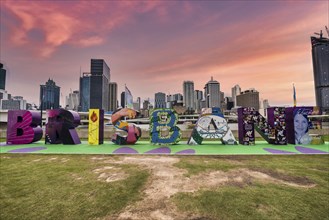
(327, 30)
(319, 34)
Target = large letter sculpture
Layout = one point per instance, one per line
(163, 129)
(298, 124)
(96, 126)
(22, 127)
(60, 127)
(273, 130)
(211, 124)
(131, 132)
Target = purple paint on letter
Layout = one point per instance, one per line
(125, 150)
(27, 150)
(187, 151)
(306, 150)
(274, 151)
(160, 150)
(23, 127)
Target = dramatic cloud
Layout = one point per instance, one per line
(154, 46)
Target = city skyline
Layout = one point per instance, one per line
(155, 46)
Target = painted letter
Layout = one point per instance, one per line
(60, 127)
(22, 127)
(298, 124)
(211, 124)
(132, 132)
(273, 131)
(96, 126)
(163, 129)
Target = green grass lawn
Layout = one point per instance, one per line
(259, 200)
(67, 187)
(39, 187)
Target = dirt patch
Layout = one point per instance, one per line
(64, 160)
(166, 180)
(52, 159)
(110, 174)
(76, 177)
(284, 178)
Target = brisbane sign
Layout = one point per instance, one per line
(282, 126)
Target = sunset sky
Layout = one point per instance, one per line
(153, 46)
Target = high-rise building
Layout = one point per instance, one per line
(146, 104)
(72, 101)
(198, 97)
(236, 90)
(145, 109)
(84, 104)
(15, 103)
(266, 104)
(212, 94)
(229, 103)
(2, 77)
(99, 84)
(320, 56)
(49, 95)
(222, 100)
(137, 104)
(113, 96)
(160, 100)
(188, 92)
(174, 100)
(248, 98)
(123, 99)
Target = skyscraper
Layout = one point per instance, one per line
(2, 77)
(72, 101)
(188, 92)
(320, 56)
(248, 98)
(160, 100)
(212, 95)
(137, 104)
(236, 90)
(198, 97)
(174, 100)
(123, 99)
(99, 84)
(85, 92)
(113, 96)
(49, 95)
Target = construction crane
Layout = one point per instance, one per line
(327, 30)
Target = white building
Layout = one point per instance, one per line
(72, 101)
(236, 90)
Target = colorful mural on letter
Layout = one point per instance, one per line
(60, 127)
(211, 125)
(298, 124)
(131, 132)
(163, 129)
(273, 130)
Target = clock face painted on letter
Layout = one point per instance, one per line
(212, 126)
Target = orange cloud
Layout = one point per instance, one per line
(73, 22)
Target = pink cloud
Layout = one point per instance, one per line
(71, 23)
